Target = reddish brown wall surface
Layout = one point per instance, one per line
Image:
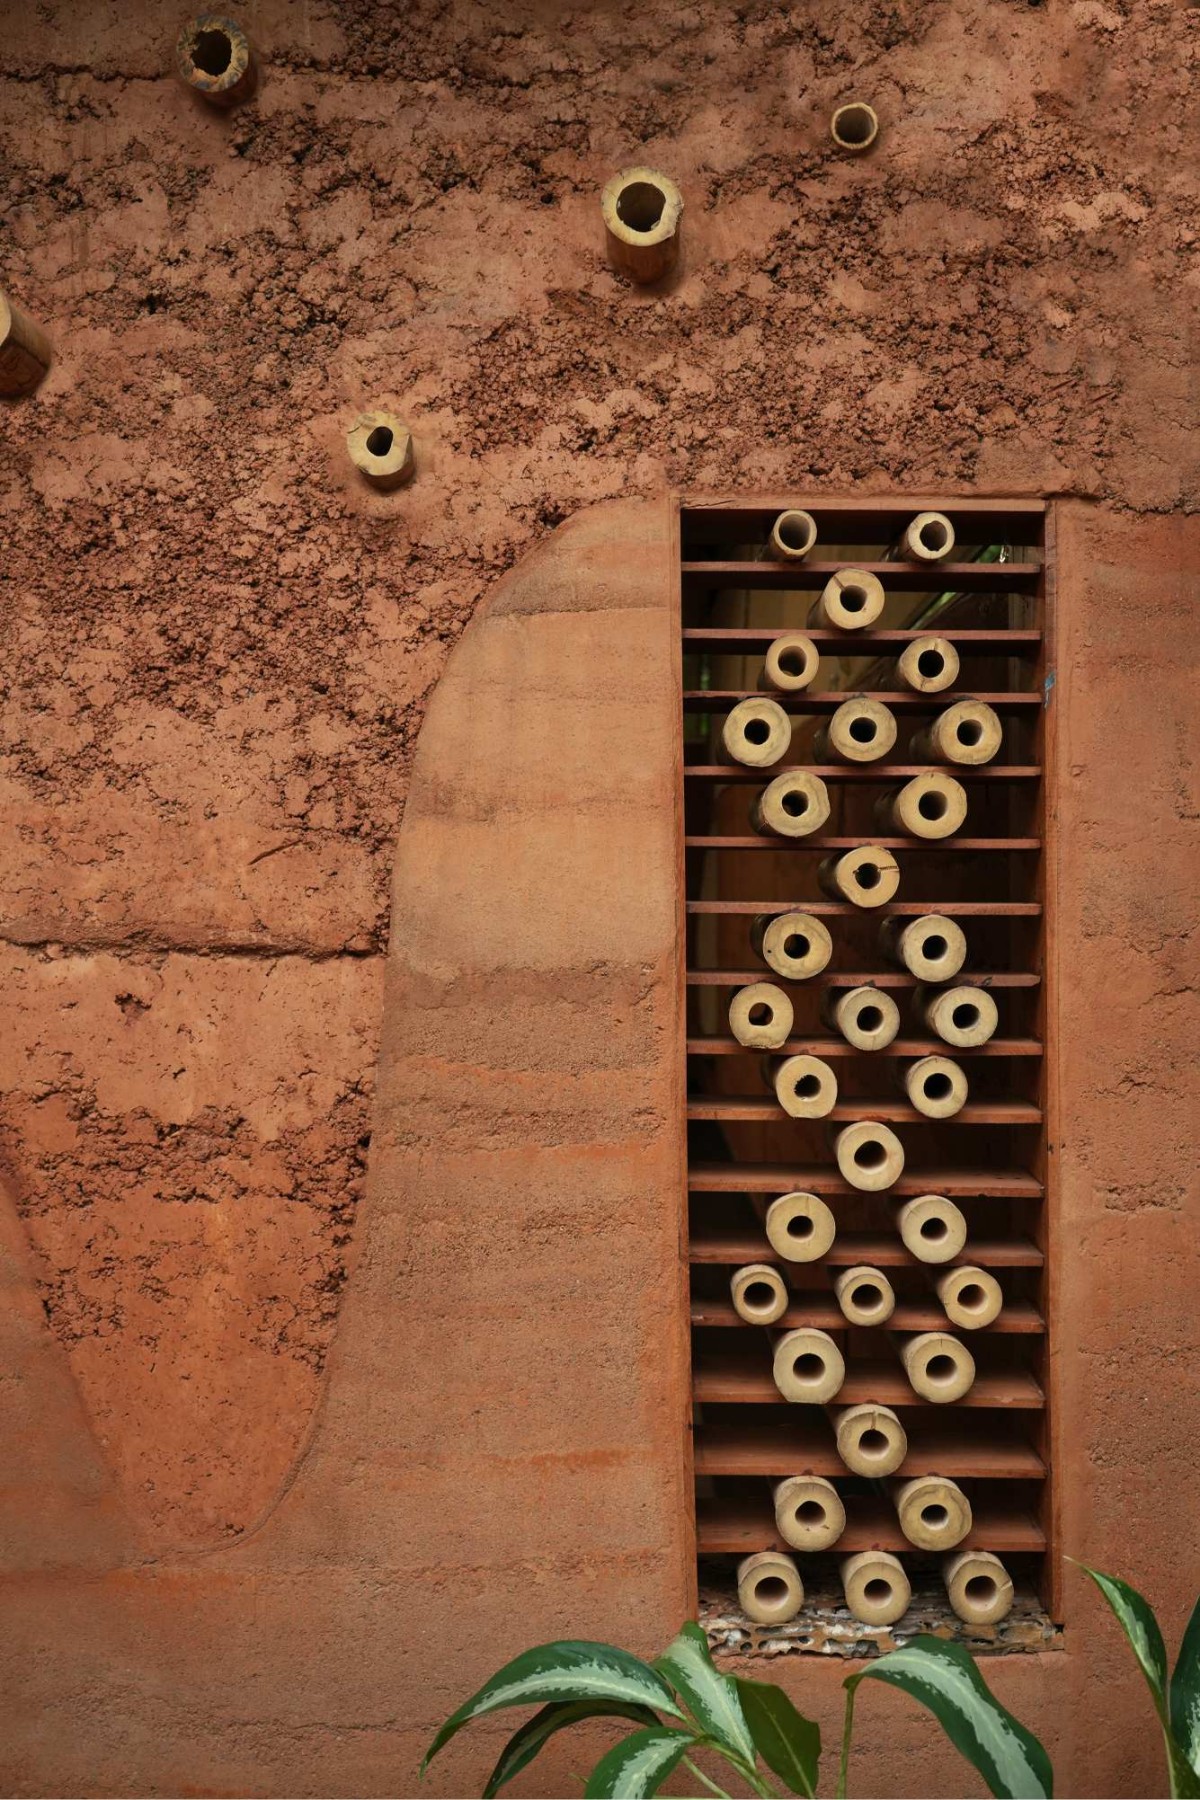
(217, 654)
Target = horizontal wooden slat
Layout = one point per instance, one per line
(773, 1178)
(742, 1381)
(883, 515)
(1016, 1319)
(767, 1111)
(739, 1527)
(800, 1441)
(721, 699)
(820, 1046)
(744, 638)
(825, 845)
(899, 909)
(885, 978)
(736, 1245)
(882, 772)
(897, 577)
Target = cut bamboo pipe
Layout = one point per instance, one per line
(794, 944)
(931, 805)
(876, 1587)
(931, 1228)
(936, 1086)
(805, 1086)
(931, 948)
(933, 1511)
(854, 127)
(929, 665)
(972, 1298)
(759, 1294)
(978, 1587)
(756, 733)
(808, 1367)
(869, 1155)
(381, 448)
(963, 1016)
(865, 1016)
(761, 1016)
(792, 535)
(793, 805)
(809, 1514)
(770, 1590)
(929, 538)
(868, 876)
(790, 664)
(642, 210)
(860, 731)
(870, 1439)
(25, 353)
(865, 1295)
(800, 1227)
(969, 733)
(214, 58)
(851, 600)
(939, 1368)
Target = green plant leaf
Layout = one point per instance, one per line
(528, 1739)
(944, 1678)
(1136, 1618)
(788, 1743)
(569, 1670)
(638, 1765)
(1185, 1694)
(712, 1698)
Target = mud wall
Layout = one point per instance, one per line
(218, 646)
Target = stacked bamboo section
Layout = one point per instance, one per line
(865, 749)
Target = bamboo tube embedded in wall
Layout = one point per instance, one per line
(809, 1514)
(933, 1511)
(963, 1016)
(800, 1227)
(792, 535)
(214, 58)
(805, 1086)
(939, 1368)
(761, 1016)
(871, 1440)
(860, 731)
(793, 805)
(794, 944)
(936, 1086)
(969, 732)
(868, 876)
(759, 1294)
(978, 1587)
(808, 1368)
(876, 1588)
(852, 600)
(755, 733)
(790, 664)
(769, 1587)
(929, 665)
(865, 1016)
(865, 1295)
(25, 352)
(869, 1155)
(932, 1228)
(642, 211)
(932, 805)
(972, 1298)
(928, 538)
(932, 948)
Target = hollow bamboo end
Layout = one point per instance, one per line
(25, 353)
(809, 1513)
(969, 733)
(805, 1086)
(932, 1228)
(978, 1587)
(791, 663)
(642, 211)
(971, 1298)
(932, 805)
(770, 1590)
(928, 538)
(792, 535)
(854, 127)
(381, 449)
(871, 1440)
(868, 876)
(876, 1588)
(759, 1294)
(808, 1367)
(939, 1368)
(933, 1511)
(929, 665)
(869, 1155)
(860, 731)
(800, 1227)
(936, 1087)
(851, 600)
(866, 1017)
(962, 1016)
(756, 733)
(865, 1295)
(795, 945)
(761, 1016)
(794, 805)
(214, 57)
(931, 948)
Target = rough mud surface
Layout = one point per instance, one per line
(217, 646)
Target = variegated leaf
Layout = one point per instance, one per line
(638, 1765)
(711, 1698)
(528, 1739)
(1185, 1694)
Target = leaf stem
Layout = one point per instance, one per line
(847, 1729)
(701, 1776)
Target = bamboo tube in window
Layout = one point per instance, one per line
(928, 665)
(978, 1587)
(868, 876)
(929, 538)
(963, 1016)
(792, 535)
(860, 731)
(809, 1514)
(852, 600)
(939, 1368)
(756, 733)
(933, 1511)
(761, 1016)
(793, 805)
(870, 1439)
(795, 944)
(931, 1228)
(805, 1086)
(865, 1016)
(800, 1227)
(770, 1590)
(936, 1087)
(869, 1155)
(790, 664)
(876, 1587)
(969, 732)
(932, 805)
(759, 1294)
(865, 1295)
(931, 948)
(972, 1297)
(808, 1367)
